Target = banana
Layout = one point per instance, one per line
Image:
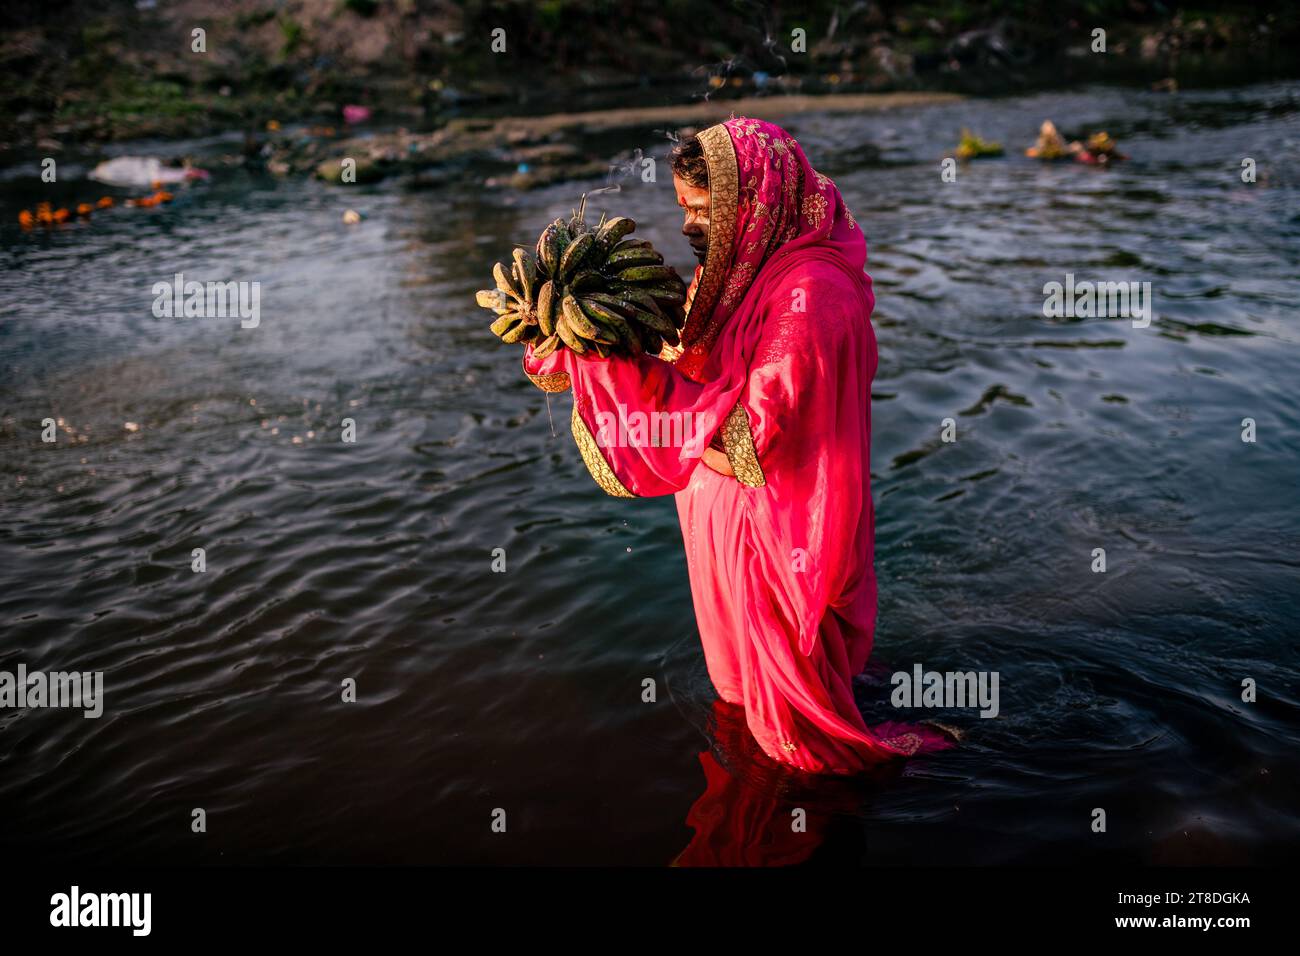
(648, 315)
(587, 287)
(503, 281)
(656, 322)
(546, 346)
(586, 280)
(514, 334)
(627, 258)
(660, 292)
(631, 341)
(610, 320)
(604, 315)
(667, 294)
(503, 323)
(652, 341)
(672, 338)
(614, 230)
(525, 271)
(643, 299)
(661, 327)
(493, 299)
(568, 336)
(562, 239)
(546, 307)
(620, 304)
(578, 320)
(551, 245)
(575, 254)
(657, 274)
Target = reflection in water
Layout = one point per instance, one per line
(754, 812)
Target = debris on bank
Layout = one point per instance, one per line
(523, 152)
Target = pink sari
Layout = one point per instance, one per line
(775, 367)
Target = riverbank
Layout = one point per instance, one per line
(524, 152)
(87, 73)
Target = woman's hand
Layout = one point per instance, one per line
(718, 462)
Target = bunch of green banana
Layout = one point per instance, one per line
(587, 288)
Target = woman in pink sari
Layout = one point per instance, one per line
(760, 424)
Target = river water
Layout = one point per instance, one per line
(522, 691)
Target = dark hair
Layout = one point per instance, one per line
(688, 161)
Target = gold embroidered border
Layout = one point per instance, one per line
(907, 744)
(739, 443)
(595, 461)
(724, 193)
(956, 733)
(670, 353)
(551, 381)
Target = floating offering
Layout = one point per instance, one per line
(143, 171)
(159, 197)
(1099, 150)
(353, 114)
(1051, 144)
(587, 289)
(45, 216)
(972, 147)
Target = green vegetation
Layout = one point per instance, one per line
(293, 34)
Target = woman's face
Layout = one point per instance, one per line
(694, 201)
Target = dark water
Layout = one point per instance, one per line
(522, 690)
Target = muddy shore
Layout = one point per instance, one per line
(529, 151)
